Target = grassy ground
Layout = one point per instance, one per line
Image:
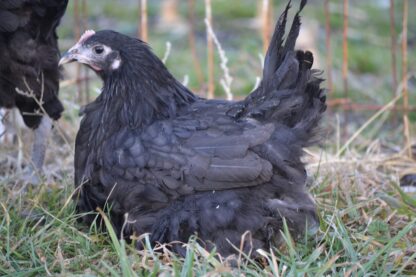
(367, 228)
(368, 225)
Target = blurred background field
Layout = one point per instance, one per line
(368, 224)
(238, 28)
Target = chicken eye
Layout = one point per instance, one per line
(98, 49)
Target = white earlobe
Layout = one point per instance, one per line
(116, 64)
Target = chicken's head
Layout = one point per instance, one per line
(105, 51)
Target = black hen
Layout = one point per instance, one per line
(29, 58)
(179, 165)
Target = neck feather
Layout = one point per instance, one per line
(143, 90)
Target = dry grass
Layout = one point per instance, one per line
(367, 223)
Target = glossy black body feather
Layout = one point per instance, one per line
(180, 165)
(29, 56)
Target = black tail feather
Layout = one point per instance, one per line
(294, 30)
(275, 53)
(273, 57)
(290, 91)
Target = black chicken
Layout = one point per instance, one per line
(167, 162)
(29, 57)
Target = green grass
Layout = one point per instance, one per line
(361, 233)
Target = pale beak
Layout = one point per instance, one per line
(74, 54)
(70, 56)
(79, 54)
